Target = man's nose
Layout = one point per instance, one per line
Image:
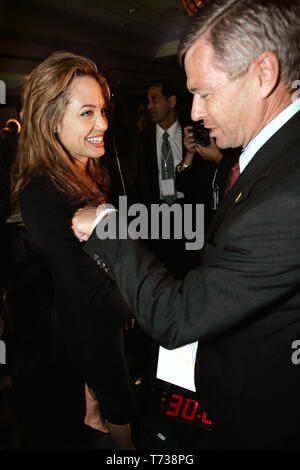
(198, 111)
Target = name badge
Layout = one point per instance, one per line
(168, 188)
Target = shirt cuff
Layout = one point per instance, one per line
(184, 167)
(101, 212)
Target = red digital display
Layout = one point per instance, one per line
(184, 408)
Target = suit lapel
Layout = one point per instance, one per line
(256, 171)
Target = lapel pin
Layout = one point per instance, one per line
(238, 198)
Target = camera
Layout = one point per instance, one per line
(200, 134)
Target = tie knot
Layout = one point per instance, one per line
(165, 136)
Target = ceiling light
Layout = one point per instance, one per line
(192, 6)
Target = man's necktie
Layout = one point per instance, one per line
(167, 168)
(233, 175)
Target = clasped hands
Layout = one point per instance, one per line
(86, 218)
(83, 222)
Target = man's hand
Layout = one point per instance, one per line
(188, 140)
(211, 153)
(83, 222)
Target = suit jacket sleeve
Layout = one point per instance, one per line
(252, 267)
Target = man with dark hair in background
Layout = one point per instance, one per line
(157, 178)
(162, 102)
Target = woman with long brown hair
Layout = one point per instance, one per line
(57, 172)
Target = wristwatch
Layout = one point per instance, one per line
(182, 166)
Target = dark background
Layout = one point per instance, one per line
(132, 41)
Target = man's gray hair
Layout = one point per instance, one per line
(240, 30)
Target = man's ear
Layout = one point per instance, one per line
(172, 101)
(267, 70)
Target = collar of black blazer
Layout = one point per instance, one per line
(263, 163)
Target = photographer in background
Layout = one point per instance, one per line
(204, 169)
(197, 140)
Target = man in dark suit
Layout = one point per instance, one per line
(162, 102)
(156, 171)
(243, 303)
(186, 186)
